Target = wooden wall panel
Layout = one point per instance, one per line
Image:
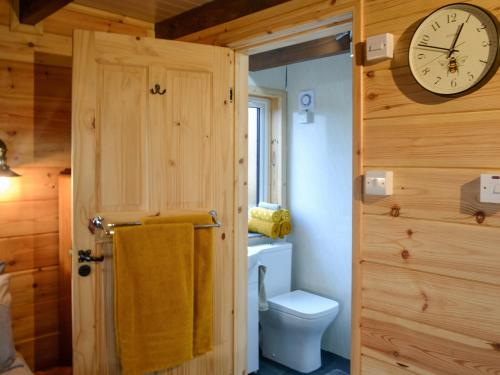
(430, 251)
(449, 140)
(373, 366)
(454, 304)
(35, 123)
(450, 195)
(442, 248)
(421, 349)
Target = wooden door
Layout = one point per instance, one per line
(137, 153)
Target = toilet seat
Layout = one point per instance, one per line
(303, 304)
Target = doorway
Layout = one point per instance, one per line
(316, 165)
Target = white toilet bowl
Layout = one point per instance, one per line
(293, 326)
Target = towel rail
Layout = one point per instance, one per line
(98, 223)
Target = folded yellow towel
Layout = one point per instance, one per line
(203, 273)
(154, 290)
(285, 215)
(265, 214)
(285, 228)
(266, 228)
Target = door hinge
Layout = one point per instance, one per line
(231, 95)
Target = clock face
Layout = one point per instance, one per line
(454, 49)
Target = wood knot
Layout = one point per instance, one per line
(401, 364)
(370, 74)
(138, 38)
(11, 133)
(480, 217)
(241, 161)
(223, 236)
(240, 209)
(31, 44)
(395, 211)
(372, 96)
(171, 163)
(405, 254)
(12, 262)
(35, 285)
(395, 354)
(409, 232)
(495, 346)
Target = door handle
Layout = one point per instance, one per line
(86, 256)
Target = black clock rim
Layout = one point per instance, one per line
(491, 72)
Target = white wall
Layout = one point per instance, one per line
(274, 78)
(320, 188)
(319, 184)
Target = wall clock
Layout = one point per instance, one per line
(455, 49)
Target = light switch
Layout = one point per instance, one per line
(379, 183)
(490, 188)
(380, 47)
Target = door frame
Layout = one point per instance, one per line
(240, 42)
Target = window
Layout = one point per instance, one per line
(258, 150)
(266, 146)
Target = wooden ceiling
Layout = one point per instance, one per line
(147, 10)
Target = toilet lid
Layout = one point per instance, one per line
(303, 304)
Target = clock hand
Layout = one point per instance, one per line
(434, 47)
(452, 48)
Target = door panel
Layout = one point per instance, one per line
(121, 138)
(136, 153)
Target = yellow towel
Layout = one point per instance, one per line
(154, 287)
(285, 215)
(266, 228)
(203, 273)
(266, 215)
(285, 228)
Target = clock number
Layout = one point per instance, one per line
(436, 26)
(437, 80)
(471, 76)
(486, 43)
(425, 39)
(481, 28)
(426, 71)
(421, 56)
(452, 17)
(468, 18)
(484, 61)
(453, 82)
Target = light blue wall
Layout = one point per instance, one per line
(319, 173)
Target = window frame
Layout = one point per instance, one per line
(276, 181)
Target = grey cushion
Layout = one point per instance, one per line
(7, 351)
(19, 367)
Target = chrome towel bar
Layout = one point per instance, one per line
(98, 223)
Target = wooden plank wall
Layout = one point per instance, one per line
(430, 271)
(430, 276)
(35, 122)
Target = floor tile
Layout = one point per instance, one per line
(329, 363)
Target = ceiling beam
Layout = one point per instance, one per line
(33, 11)
(313, 49)
(208, 15)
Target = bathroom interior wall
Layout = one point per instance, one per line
(319, 173)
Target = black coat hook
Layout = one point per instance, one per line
(157, 90)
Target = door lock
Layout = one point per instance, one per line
(86, 256)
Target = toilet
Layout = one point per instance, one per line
(293, 326)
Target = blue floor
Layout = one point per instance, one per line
(329, 363)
